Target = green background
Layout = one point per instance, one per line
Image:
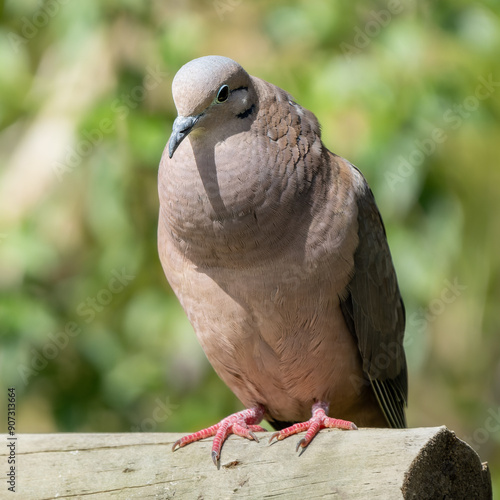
(408, 91)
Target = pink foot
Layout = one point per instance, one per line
(243, 423)
(319, 420)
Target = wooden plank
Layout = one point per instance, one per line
(364, 464)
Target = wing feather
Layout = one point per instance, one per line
(374, 312)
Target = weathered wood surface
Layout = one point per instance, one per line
(366, 464)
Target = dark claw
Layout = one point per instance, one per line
(177, 443)
(253, 436)
(301, 443)
(215, 458)
(274, 435)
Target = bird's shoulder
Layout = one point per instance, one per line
(282, 117)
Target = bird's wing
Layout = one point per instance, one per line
(374, 312)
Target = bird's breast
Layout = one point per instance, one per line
(229, 205)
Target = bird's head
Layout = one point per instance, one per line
(209, 91)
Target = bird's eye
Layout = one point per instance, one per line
(223, 93)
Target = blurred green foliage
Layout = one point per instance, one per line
(91, 335)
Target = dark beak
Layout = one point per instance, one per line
(181, 128)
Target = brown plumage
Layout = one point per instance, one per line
(278, 254)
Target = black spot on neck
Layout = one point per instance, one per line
(247, 112)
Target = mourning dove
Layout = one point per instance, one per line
(277, 252)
